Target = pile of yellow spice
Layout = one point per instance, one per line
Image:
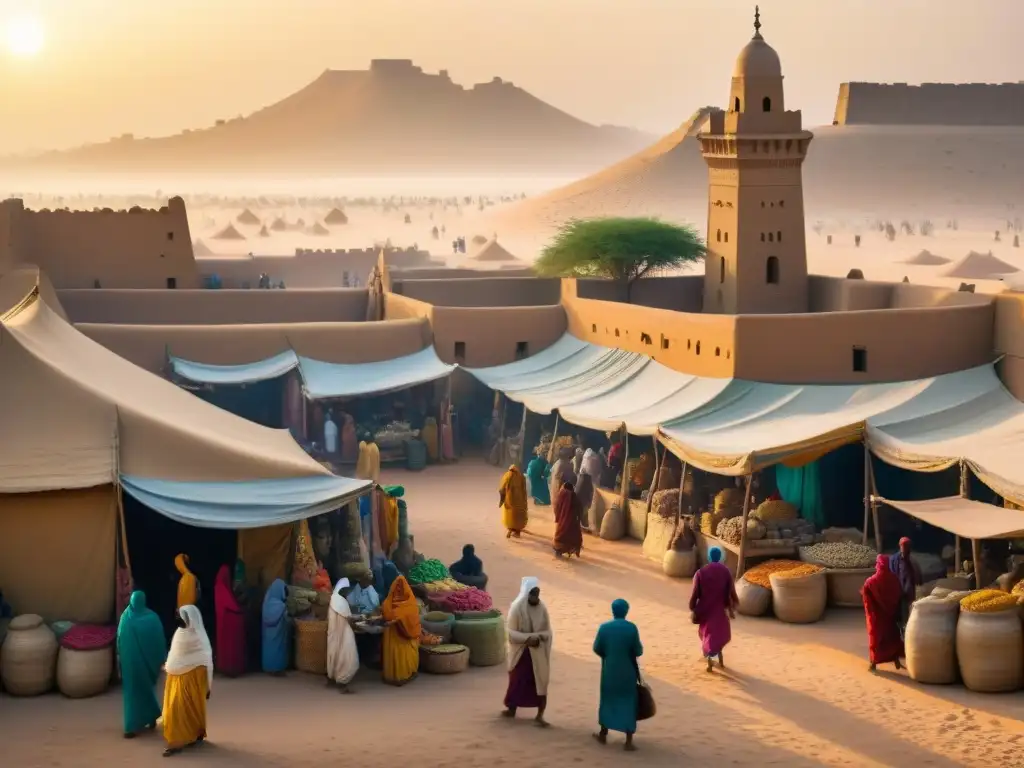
(988, 601)
(760, 574)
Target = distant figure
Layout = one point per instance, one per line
(561, 472)
(999, 237)
(276, 629)
(188, 584)
(585, 496)
(713, 603)
(342, 655)
(230, 626)
(618, 645)
(189, 679)
(434, 233)
(909, 575)
(512, 500)
(856, 240)
(529, 653)
(141, 651)
(568, 534)
(539, 473)
(883, 596)
(401, 651)
(368, 463)
(455, 246)
(470, 569)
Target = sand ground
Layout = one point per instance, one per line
(791, 696)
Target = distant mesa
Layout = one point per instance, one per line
(248, 218)
(980, 266)
(418, 122)
(319, 230)
(199, 248)
(927, 259)
(492, 251)
(229, 233)
(279, 225)
(959, 104)
(336, 217)
(264, 232)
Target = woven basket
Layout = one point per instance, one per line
(990, 651)
(444, 659)
(485, 638)
(931, 641)
(755, 600)
(799, 599)
(311, 646)
(844, 585)
(81, 674)
(29, 657)
(679, 565)
(438, 623)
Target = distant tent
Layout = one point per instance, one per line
(264, 232)
(336, 216)
(279, 224)
(248, 218)
(199, 248)
(927, 259)
(229, 233)
(980, 266)
(478, 240)
(319, 229)
(492, 251)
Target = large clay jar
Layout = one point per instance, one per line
(85, 663)
(29, 660)
(931, 641)
(990, 650)
(799, 599)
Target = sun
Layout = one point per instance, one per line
(25, 37)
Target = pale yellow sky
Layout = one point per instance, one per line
(153, 67)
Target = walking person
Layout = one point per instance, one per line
(568, 533)
(342, 654)
(189, 679)
(188, 584)
(529, 653)
(909, 575)
(883, 596)
(230, 626)
(512, 500)
(141, 651)
(618, 645)
(539, 473)
(713, 603)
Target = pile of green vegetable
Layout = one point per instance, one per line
(427, 571)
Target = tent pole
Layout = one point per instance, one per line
(867, 493)
(522, 439)
(679, 506)
(741, 566)
(874, 505)
(658, 457)
(976, 557)
(501, 432)
(964, 494)
(624, 488)
(554, 436)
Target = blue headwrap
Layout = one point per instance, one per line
(620, 608)
(715, 554)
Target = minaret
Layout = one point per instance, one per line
(757, 255)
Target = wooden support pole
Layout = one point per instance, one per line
(679, 506)
(522, 439)
(554, 437)
(867, 493)
(658, 457)
(741, 566)
(624, 488)
(874, 504)
(502, 453)
(964, 494)
(979, 581)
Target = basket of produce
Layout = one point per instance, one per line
(311, 646)
(760, 573)
(799, 595)
(930, 641)
(29, 659)
(989, 642)
(484, 636)
(461, 601)
(438, 623)
(85, 661)
(448, 659)
(428, 571)
(774, 510)
(840, 554)
(755, 600)
(666, 503)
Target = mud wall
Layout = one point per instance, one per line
(482, 292)
(930, 104)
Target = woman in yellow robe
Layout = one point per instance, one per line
(368, 463)
(189, 670)
(401, 652)
(512, 499)
(188, 584)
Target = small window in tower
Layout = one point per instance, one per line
(762, 237)
(593, 328)
(860, 359)
(170, 235)
(718, 351)
(725, 236)
(664, 342)
(721, 270)
(698, 347)
(460, 351)
(172, 282)
(645, 338)
(778, 237)
(522, 349)
(762, 203)
(766, 104)
(719, 236)
(782, 203)
(771, 238)
(771, 270)
(736, 105)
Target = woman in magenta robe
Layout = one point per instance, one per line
(713, 603)
(568, 534)
(230, 657)
(883, 595)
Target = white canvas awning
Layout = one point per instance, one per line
(249, 373)
(321, 381)
(963, 517)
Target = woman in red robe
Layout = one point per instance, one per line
(568, 533)
(230, 657)
(882, 594)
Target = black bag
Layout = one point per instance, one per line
(645, 706)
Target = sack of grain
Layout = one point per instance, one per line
(754, 600)
(613, 526)
(729, 530)
(799, 599)
(931, 641)
(756, 530)
(837, 535)
(679, 564)
(775, 510)
(595, 515)
(840, 554)
(666, 503)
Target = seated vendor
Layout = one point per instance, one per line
(470, 569)
(363, 597)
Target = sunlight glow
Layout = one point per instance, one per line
(25, 37)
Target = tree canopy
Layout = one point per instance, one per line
(623, 249)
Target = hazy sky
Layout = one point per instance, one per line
(153, 67)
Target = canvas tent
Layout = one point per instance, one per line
(493, 251)
(248, 373)
(965, 518)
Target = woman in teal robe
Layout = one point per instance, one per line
(276, 629)
(538, 472)
(618, 645)
(142, 650)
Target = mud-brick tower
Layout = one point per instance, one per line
(757, 252)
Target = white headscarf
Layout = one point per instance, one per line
(340, 604)
(592, 465)
(529, 584)
(190, 646)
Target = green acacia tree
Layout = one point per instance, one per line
(622, 249)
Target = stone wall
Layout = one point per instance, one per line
(930, 104)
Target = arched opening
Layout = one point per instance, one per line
(766, 104)
(736, 105)
(721, 270)
(771, 271)
(719, 236)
